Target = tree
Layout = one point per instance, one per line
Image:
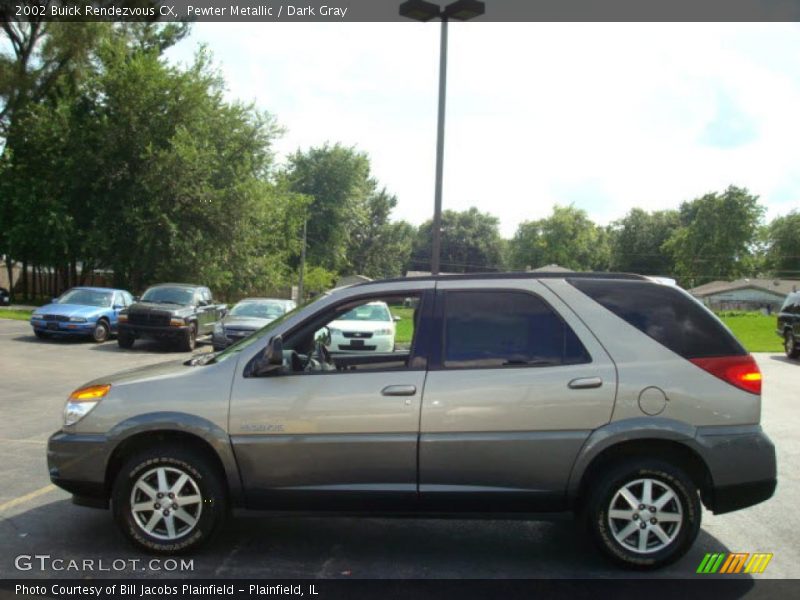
(783, 246)
(471, 243)
(379, 248)
(567, 238)
(337, 181)
(637, 240)
(716, 237)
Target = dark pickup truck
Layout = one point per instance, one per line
(789, 325)
(174, 312)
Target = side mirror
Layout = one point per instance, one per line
(54, 300)
(202, 303)
(271, 358)
(136, 298)
(395, 318)
(118, 307)
(324, 336)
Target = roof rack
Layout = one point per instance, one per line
(513, 275)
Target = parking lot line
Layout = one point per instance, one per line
(22, 499)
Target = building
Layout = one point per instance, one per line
(745, 294)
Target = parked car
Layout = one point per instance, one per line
(789, 325)
(613, 396)
(81, 311)
(246, 317)
(173, 312)
(5, 297)
(366, 328)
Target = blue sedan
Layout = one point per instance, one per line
(81, 311)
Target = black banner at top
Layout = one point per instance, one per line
(337, 11)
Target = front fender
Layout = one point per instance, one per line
(183, 423)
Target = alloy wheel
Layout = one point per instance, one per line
(645, 515)
(166, 503)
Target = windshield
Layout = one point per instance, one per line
(258, 309)
(262, 334)
(367, 312)
(169, 295)
(86, 298)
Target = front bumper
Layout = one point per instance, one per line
(154, 332)
(742, 465)
(62, 327)
(77, 463)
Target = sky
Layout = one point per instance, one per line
(603, 116)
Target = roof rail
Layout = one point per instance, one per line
(512, 275)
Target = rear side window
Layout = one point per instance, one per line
(791, 304)
(499, 329)
(666, 314)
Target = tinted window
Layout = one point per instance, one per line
(494, 329)
(666, 314)
(791, 304)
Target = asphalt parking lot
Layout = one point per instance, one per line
(39, 519)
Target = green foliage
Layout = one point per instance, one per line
(317, 279)
(470, 243)
(782, 256)
(754, 330)
(567, 238)
(716, 237)
(17, 314)
(636, 242)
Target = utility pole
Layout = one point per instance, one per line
(436, 248)
(302, 262)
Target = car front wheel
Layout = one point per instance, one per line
(125, 340)
(169, 500)
(100, 332)
(189, 341)
(644, 514)
(790, 345)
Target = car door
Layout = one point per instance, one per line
(342, 439)
(514, 389)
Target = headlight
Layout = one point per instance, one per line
(37, 317)
(123, 318)
(77, 320)
(177, 322)
(383, 332)
(218, 329)
(82, 401)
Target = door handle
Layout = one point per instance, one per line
(585, 383)
(399, 390)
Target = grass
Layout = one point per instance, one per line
(15, 313)
(754, 330)
(405, 327)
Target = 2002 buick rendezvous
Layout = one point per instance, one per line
(616, 397)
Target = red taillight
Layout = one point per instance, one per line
(741, 371)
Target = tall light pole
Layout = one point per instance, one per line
(461, 10)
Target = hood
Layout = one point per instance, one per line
(149, 372)
(141, 307)
(250, 323)
(71, 310)
(370, 326)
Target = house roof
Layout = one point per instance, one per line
(776, 286)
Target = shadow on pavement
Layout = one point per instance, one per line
(784, 359)
(255, 546)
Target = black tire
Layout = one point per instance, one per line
(603, 491)
(41, 334)
(189, 341)
(203, 477)
(790, 345)
(125, 340)
(100, 331)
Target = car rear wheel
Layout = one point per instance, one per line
(100, 331)
(169, 500)
(790, 345)
(189, 341)
(125, 340)
(644, 514)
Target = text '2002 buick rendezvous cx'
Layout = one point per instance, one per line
(613, 396)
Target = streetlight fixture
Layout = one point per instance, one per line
(460, 10)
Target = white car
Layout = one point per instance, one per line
(366, 328)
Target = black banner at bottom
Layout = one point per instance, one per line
(391, 589)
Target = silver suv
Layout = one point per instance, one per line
(613, 396)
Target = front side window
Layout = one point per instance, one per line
(506, 329)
